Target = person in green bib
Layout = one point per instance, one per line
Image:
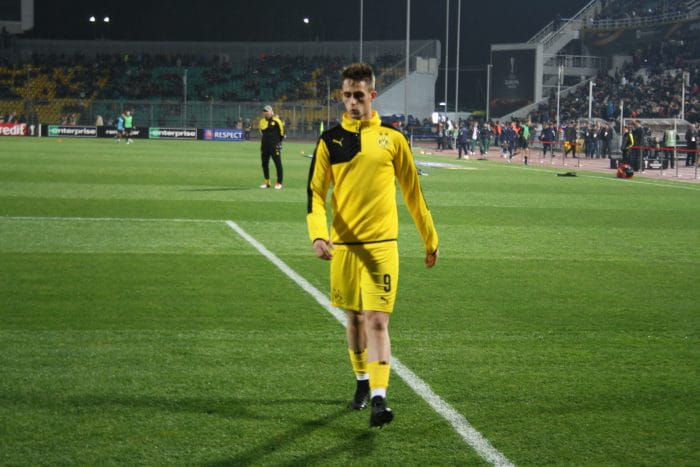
(128, 126)
(525, 141)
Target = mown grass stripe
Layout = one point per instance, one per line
(460, 424)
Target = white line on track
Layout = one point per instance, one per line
(673, 183)
(460, 424)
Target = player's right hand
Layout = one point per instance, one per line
(431, 259)
(323, 249)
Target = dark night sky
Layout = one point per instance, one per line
(483, 22)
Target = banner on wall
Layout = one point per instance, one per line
(513, 78)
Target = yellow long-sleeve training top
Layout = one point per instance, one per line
(362, 161)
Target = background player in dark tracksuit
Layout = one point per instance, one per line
(606, 137)
(508, 139)
(272, 132)
(484, 138)
(462, 141)
(547, 137)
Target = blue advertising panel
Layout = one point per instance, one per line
(222, 134)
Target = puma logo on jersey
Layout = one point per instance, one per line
(339, 142)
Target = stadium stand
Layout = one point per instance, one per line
(630, 9)
(649, 85)
(61, 88)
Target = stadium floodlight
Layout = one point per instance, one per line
(106, 19)
(447, 45)
(92, 19)
(306, 20)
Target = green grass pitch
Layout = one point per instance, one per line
(137, 328)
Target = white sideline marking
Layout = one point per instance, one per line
(460, 424)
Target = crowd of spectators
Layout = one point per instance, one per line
(161, 76)
(650, 86)
(631, 9)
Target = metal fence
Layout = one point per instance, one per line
(302, 119)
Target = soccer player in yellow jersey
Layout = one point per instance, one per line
(362, 159)
(271, 136)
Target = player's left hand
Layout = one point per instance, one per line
(431, 259)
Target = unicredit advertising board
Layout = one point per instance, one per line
(222, 134)
(17, 129)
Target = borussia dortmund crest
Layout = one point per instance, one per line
(383, 140)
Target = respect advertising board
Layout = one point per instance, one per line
(69, 131)
(17, 129)
(222, 134)
(172, 133)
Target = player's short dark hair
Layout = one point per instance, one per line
(360, 72)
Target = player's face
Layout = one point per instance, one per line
(358, 98)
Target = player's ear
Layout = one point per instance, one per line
(373, 94)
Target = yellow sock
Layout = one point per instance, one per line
(379, 375)
(359, 362)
